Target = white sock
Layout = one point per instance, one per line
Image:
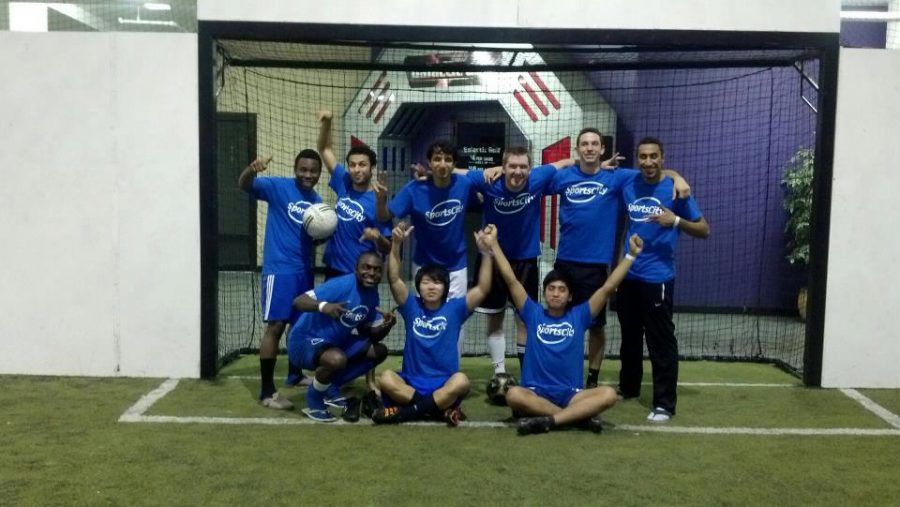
(497, 347)
(318, 386)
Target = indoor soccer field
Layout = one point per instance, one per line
(745, 434)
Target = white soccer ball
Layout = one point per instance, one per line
(319, 221)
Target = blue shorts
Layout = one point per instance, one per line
(277, 294)
(424, 385)
(304, 351)
(559, 397)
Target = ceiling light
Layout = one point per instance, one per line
(151, 6)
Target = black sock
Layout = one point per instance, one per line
(520, 354)
(266, 377)
(419, 407)
(592, 375)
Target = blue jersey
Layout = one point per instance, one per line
(287, 248)
(589, 212)
(554, 358)
(361, 301)
(355, 211)
(656, 264)
(431, 350)
(517, 215)
(439, 217)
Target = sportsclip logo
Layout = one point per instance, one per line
(551, 334)
(585, 191)
(355, 316)
(349, 210)
(642, 209)
(510, 205)
(429, 328)
(295, 210)
(444, 212)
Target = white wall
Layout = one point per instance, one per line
(749, 15)
(862, 333)
(100, 213)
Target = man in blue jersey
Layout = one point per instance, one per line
(645, 297)
(513, 204)
(429, 383)
(589, 211)
(287, 256)
(357, 230)
(552, 391)
(339, 333)
(436, 207)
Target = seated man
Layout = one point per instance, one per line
(338, 335)
(552, 382)
(429, 382)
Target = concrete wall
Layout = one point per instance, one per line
(862, 336)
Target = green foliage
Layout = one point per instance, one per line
(797, 183)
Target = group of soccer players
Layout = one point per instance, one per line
(338, 325)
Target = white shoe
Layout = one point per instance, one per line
(277, 401)
(659, 415)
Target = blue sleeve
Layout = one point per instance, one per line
(527, 311)
(583, 314)
(263, 187)
(386, 229)
(334, 290)
(338, 180)
(401, 205)
(407, 307)
(462, 310)
(541, 177)
(476, 178)
(623, 176)
(687, 208)
(559, 180)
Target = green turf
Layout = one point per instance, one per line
(887, 398)
(62, 445)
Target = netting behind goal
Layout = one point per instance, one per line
(730, 122)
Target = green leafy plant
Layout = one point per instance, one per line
(797, 183)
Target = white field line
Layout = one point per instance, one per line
(135, 414)
(890, 417)
(687, 384)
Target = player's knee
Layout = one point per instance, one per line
(274, 329)
(379, 352)
(459, 383)
(388, 379)
(333, 358)
(515, 396)
(606, 395)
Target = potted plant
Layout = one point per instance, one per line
(797, 183)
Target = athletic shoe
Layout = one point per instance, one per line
(529, 425)
(453, 416)
(319, 415)
(276, 401)
(334, 398)
(659, 415)
(351, 413)
(370, 403)
(298, 380)
(622, 396)
(592, 424)
(389, 415)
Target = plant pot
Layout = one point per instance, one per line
(801, 304)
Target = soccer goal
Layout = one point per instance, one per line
(737, 114)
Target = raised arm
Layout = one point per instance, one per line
(379, 186)
(516, 289)
(398, 288)
(374, 235)
(682, 190)
(485, 239)
(306, 303)
(245, 180)
(324, 143)
(599, 298)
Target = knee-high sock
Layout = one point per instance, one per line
(497, 347)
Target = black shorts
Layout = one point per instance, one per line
(586, 279)
(526, 271)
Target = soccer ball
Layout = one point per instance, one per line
(319, 221)
(497, 387)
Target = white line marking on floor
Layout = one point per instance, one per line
(870, 405)
(136, 411)
(687, 384)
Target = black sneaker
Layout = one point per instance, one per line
(352, 409)
(590, 384)
(529, 425)
(592, 424)
(370, 403)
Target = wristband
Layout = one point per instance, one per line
(629, 256)
(322, 305)
(677, 221)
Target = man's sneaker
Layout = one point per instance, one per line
(319, 415)
(590, 384)
(592, 424)
(389, 415)
(276, 401)
(370, 403)
(622, 396)
(453, 416)
(659, 415)
(297, 379)
(351, 412)
(334, 398)
(529, 425)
